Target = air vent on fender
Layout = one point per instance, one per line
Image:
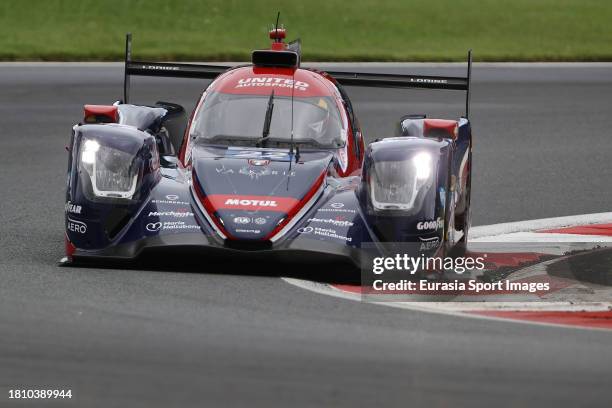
(100, 114)
(440, 128)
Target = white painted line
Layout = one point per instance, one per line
(542, 238)
(481, 233)
(447, 308)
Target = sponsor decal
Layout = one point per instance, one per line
(73, 208)
(247, 220)
(171, 199)
(337, 210)
(429, 243)
(154, 226)
(77, 226)
(159, 67)
(283, 173)
(169, 225)
(254, 174)
(430, 225)
(336, 205)
(223, 170)
(250, 203)
(176, 214)
(324, 232)
(242, 220)
(429, 80)
(271, 82)
(337, 223)
(170, 202)
(248, 231)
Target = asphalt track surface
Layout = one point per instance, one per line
(238, 335)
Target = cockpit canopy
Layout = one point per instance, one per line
(234, 108)
(238, 119)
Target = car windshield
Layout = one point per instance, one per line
(239, 120)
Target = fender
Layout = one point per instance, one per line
(422, 216)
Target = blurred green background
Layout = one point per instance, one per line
(356, 30)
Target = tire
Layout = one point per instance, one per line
(464, 220)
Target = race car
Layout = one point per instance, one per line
(271, 163)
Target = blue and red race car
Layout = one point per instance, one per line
(272, 161)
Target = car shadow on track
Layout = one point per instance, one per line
(322, 271)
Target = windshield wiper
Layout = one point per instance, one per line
(266, 128)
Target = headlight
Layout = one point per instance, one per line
(401, 184)
(422, 165)
(112, 172)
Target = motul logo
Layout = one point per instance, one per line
(250, 203)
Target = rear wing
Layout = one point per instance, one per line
(146, 68)
(409, 81)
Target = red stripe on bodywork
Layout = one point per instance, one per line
(600, 319)
(598, 229)
(207, 207)
(70, 248)
(296, 208)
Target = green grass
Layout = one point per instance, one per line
(357, 30)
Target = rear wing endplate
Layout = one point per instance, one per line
(162, 69)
